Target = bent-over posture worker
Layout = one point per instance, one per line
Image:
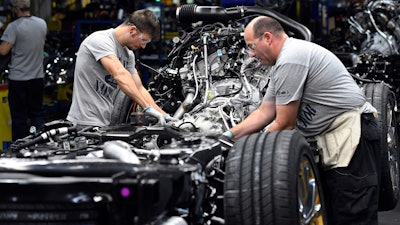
(311, 90)
(105, 62)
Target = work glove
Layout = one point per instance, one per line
(228, 134)
(153, 112)
(169, 118)
(226, 139)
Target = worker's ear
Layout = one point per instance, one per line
(134, 29)
(267, 36)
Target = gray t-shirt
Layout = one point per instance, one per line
(329, 88)
(27, 35)
(94, 87)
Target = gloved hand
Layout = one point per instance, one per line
(153, 112)
(169, 118)
(226, 139)
(228, 134)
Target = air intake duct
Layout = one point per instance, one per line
(191, 13)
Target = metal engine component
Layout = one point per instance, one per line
(374, 42)
(219, 85)
(374, 27)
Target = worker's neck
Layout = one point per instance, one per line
(24, 14)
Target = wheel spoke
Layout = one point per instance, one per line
(310, 207)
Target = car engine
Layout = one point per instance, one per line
(218, 84)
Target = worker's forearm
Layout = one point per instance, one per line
(128, 86)
(150, 100)
(253, 123)
(277, 126)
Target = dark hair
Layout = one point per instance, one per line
(23, 5)
(146, 21)
(264, 24)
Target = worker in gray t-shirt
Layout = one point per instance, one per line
(105, 63)
(310, 90)
(25, 38)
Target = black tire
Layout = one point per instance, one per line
(271, 178)
(122, 108)
(383, 99)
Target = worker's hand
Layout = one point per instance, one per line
(153, 112)
(226, 139)
(169, 118)
(228, 134)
